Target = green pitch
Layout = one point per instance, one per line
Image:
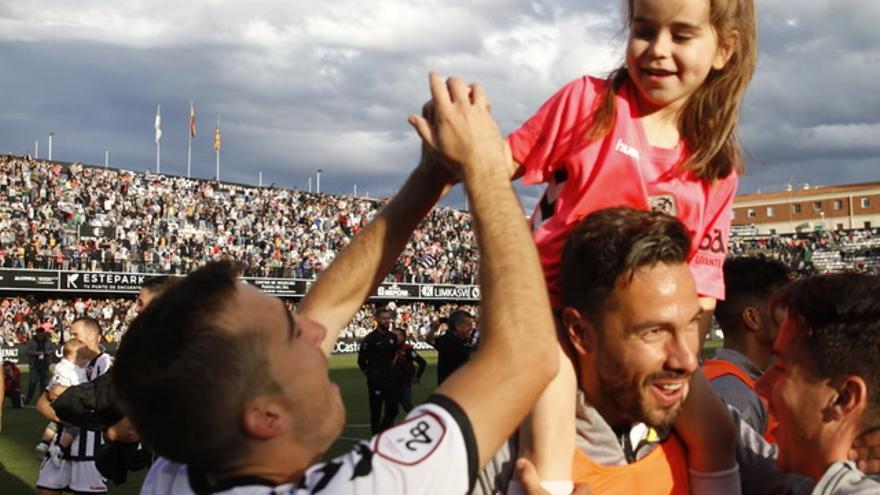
(22, 427)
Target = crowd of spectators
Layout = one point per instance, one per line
(20, 316)
(816, 252)
(70, 216)
(86, 218)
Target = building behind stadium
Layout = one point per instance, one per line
(808, 209)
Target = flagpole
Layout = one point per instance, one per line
(191, 132)
(189, 151)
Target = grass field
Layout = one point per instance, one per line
(22, 427)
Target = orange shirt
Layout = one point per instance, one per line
(663, 471)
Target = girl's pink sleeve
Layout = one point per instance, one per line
(546, 138)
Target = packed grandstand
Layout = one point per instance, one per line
(59, 216)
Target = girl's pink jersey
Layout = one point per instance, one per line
(620, 170)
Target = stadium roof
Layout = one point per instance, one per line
(812, 191)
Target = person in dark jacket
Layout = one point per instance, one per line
(374, 359)
(12, 383)
(39, 351)
(404, 366)
(454, 347)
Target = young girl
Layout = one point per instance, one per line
(659, 133)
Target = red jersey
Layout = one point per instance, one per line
(622, 169)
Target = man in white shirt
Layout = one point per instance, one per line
(78, 472)
(265, 409)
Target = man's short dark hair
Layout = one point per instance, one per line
(748, 280)
(183, 377)
(458, 317)
(379, 311)
(158, 285)
(615, 242)
(88, 322)
(839, 319)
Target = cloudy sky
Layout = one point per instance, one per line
(310, 85)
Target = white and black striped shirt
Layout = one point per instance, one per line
(87, 442)
(433, 451)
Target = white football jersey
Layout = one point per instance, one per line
(432, 451)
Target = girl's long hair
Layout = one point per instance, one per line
(707, 122)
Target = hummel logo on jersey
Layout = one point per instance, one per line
(626, 149)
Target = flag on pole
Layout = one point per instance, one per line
(158, 124)
(217, 136)
(192, 120)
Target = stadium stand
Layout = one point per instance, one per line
(816, 252)
(20, 316)
(63, 216)
(71, 216)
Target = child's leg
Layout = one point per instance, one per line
(547, 437)
(43, 447)
(49, 432)
(67, 437)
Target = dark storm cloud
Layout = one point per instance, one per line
(305, 86)
(811, 115)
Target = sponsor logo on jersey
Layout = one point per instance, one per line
(664, 203)
(712, 242)
(626, 149)
(412, 441)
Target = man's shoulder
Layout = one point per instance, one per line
(451, 339)
(166, 477)
(844, 478)
(105, 360)
(432, 451)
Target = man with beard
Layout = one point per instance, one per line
(631, 312)
(375, 359)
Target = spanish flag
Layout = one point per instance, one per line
(192, 120)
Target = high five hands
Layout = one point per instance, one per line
(456, 126)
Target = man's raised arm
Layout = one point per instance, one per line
(518, 340)
(362, 265)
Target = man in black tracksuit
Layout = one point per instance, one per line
(375, 360)
(455, 346)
